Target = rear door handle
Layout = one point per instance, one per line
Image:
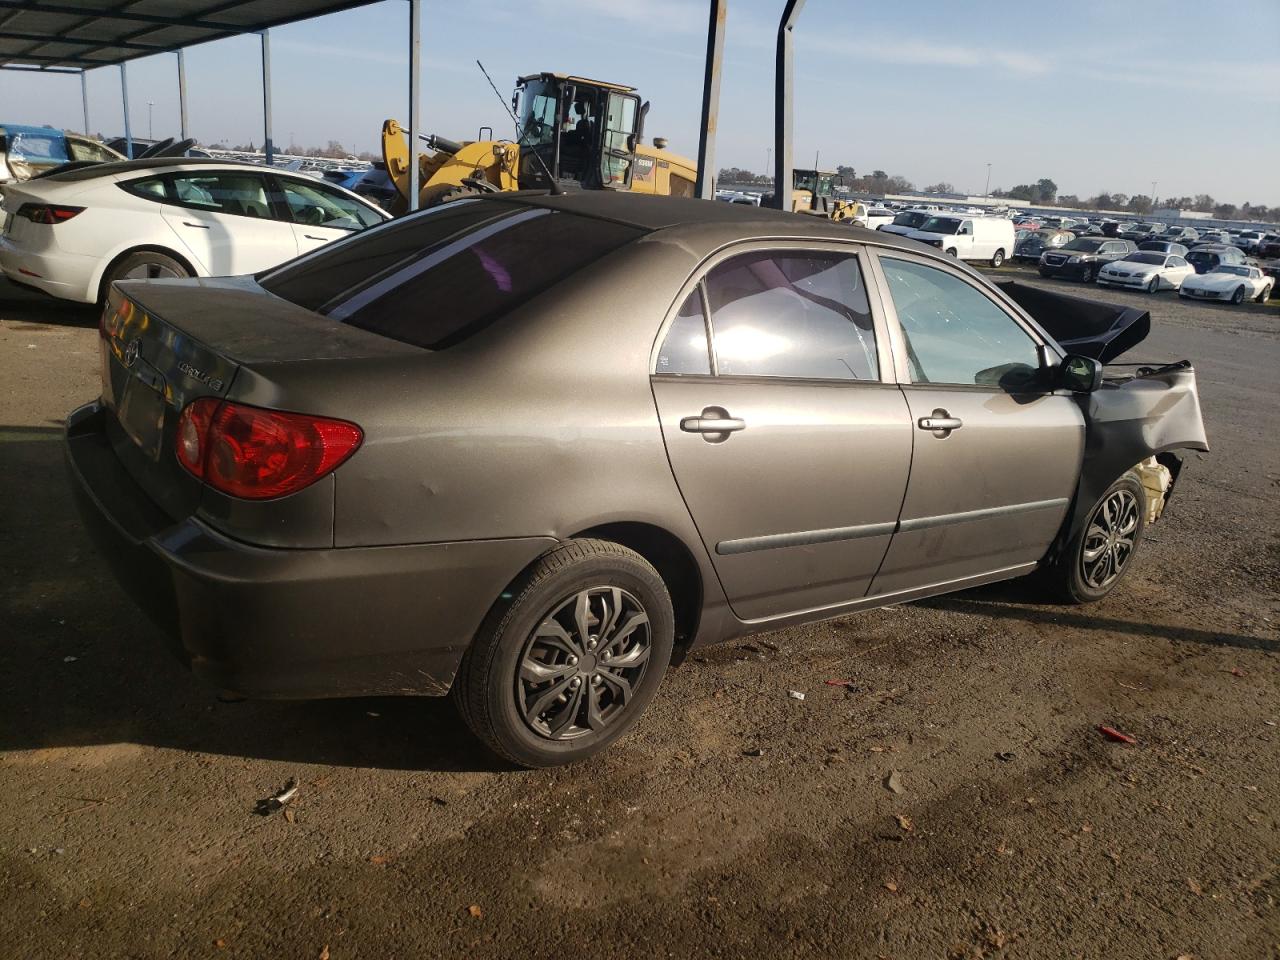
(198, 226)
(714, 424)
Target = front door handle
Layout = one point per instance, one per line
(714, 424)
(940, 423)
(198, 226)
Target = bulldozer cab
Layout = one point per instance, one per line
(584, 131)
(820, 187)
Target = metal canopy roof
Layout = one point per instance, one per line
(82, 34)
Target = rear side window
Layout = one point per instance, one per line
(792, 314)
(148, 188)
(436, 278)
(240, 194)
(684, 350)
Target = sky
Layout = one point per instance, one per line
(1097, 96)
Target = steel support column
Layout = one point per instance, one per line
(782, 108)
(706, 187)
(415, 96)
(268, 148)
(84, 101)
(124, 96)
(182, 96)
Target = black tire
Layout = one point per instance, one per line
(141, 265)
(1088, 273)
(1072, 577)
(443, 193)
(1264, 296)
(951, 252)
(1154, 285)
(1046, 274)
(1238, 296)
(997, 260)
(492, 690)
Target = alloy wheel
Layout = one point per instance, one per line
(579, 670)
(1109, 539)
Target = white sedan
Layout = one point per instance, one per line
(71, 234)
(1229, 281)
(1147, 270)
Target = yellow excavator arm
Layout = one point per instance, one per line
(447, 168)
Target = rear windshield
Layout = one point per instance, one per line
(435, 278)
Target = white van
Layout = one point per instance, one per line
(969, 238)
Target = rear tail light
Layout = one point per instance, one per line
(256, 454)
(47, 213)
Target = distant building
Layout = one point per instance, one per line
(1173, 213)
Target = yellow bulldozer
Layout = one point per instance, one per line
(814, 192)
(581, 134)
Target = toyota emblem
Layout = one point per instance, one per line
(131, 352)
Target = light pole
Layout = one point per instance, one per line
(768, 159)
(1153, 193)
(987, 191)
(150, 104)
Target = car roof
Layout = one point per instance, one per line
(159, 163)
(675, 214)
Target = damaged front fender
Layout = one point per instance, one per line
(1140, 412)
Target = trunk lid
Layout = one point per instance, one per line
(167, 343)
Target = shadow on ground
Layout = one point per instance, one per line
(80, 666)
(21, 306)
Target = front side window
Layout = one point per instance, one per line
(684, 350)
(955, 334)
(240, 194)
(792, 314)
(538, 103)
(318, 206)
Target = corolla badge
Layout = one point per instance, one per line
(131, 352)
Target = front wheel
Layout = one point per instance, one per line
(566, 666)
(1238, 296)
(1099, 554)
(1154, 285)
(951, 251)
(1087, 274)
(997, 258)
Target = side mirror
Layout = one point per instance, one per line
(1080, 374)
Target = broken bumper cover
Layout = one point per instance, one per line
(274, 623)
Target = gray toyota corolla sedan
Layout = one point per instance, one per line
(531, 448)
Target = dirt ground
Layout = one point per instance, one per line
(127, 789)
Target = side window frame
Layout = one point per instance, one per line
(1046, 349)
(885, 358)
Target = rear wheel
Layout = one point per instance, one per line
(1264, 295)
(1238, 296)
(997, 259)
(1100, 553)
(142, 265)
(568, 664)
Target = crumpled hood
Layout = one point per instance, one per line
(1090, 328)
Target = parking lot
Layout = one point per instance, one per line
(955, 800)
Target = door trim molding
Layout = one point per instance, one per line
(802, 538)
(947, 519)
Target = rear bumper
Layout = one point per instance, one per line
(290, 623)
(68, 276)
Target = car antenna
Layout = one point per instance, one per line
(555, 191)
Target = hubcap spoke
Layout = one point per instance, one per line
(580, 667)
